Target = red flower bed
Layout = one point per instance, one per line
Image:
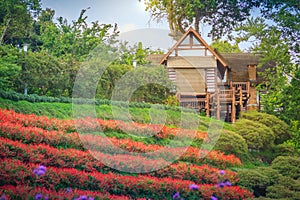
(38, 135)
(23, 191)
(57, 138)
(91, 124)
(15, 172)
(71, 158)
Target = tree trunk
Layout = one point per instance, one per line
(4, 31)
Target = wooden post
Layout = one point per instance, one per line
(218, 104)
(248, 88)
(207, 107)
(233, 115)
(241, 98)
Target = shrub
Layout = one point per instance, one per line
(232, 143)
(284, 150)
(279, 127)
(280, 192)
(258, 179)
(287, 166)
(258, 136)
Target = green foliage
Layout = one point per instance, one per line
(258, 179)
(225, 47)
(257, 135)
(285, 188)
(232, 143)
(171, 101)
(137, 53)
(109, 78)
(290, 101)
(285, 149)
(144, 84)
(295, 140)
(270, 183)
(287, 166)
(280, 128)
(278, 43)
(221, 15)
(16, 17)
(9, 68)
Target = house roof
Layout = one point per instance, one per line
(155, 58)
(197, 36)
(238, 64)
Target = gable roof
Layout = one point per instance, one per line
(198, 37)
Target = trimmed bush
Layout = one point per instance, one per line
(282, 192)
(279, 127)
(287, 166)
(284, 150)
(232, 143)
(258, 179)
(258, 136)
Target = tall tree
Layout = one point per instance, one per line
(16, 18)
(222, 15)
(278, 43)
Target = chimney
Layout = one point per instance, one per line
(252, 72)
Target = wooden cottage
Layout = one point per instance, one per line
(221, 84)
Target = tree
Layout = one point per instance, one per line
(278, 44)
(225, 47)
(9, 69)
(16, 18)
(223, 16)
(137, 53)
(275, 50)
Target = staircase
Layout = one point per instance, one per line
(224, 103)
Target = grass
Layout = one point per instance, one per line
(170, 118)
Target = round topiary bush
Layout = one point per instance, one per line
(258, 179)
(257, 135)
(232, 143)
(279, 127)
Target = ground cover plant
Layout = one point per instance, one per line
(45, 157)
(30, 140)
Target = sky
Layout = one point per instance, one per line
(133, 21)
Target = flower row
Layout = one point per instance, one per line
(92, 124)
(28, 192)
(98, 143)
(81, 160)
(15, 172)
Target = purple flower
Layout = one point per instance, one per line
(39, 171)
(69, 190)
(83, 197)
(46, 198)
(91, 198)
(3, 197)
(213, 197)
(227, 183)
(38, 196)
(222, 172)
(176, 195)
(42, 168)
(221, 185)
(194, 187)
